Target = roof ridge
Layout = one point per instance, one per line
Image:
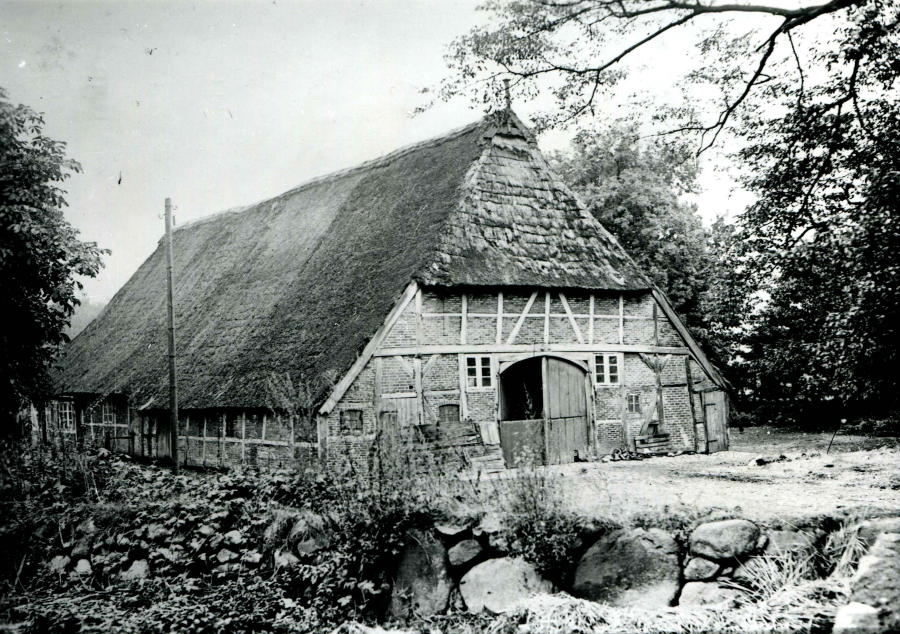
(381, 161)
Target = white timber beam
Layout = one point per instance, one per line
(344, 384)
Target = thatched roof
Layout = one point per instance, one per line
(298, 284)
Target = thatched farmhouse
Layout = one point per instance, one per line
(453, 295)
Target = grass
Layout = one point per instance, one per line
(796, 593)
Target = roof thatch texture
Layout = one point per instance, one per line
(298, 284)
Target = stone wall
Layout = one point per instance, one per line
(474, 567)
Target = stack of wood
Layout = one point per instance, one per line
(651, 443)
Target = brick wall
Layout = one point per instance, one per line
(441, 324)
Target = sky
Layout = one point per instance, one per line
(221, 104)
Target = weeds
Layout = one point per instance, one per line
(843, 549)
(346, 532)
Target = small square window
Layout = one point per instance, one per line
(607, 369)
(634, 403)
(478, 372)
(448, 414)
(351, 421)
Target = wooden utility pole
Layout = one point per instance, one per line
(173, 393)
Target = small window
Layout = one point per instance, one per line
(634, 403)
(109, 413)
(448, 414)
(351, 421)
(607, 369)
(478, 372)
(65, 415)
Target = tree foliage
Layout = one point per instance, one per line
(40, 255)
(803, 286)
(635, 189)
(822, 240)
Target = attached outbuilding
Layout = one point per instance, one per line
(454, 296)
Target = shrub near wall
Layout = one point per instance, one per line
(308, 548)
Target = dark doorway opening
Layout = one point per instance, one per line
(523, 391)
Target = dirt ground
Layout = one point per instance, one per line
(858, 472)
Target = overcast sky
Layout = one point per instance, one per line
(220, 104)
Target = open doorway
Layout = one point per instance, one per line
(523, 391)
(543, 411)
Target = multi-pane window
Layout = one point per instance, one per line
(607, 369)
(109, 413)
(351, 421)
(478, 372)
(634, 403)
(65, 415)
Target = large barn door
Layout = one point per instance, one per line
(716, 409)
(565, 403)
(544, 415)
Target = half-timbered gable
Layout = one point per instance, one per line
(454, 294)
(478, 371)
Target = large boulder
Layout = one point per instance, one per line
(857, 618)
(422, 583)
(877, 581)
(871, 529)
(785, 542)
(498, 584)
(725, 539)
(708, 593)
(700, 569)
(464, 552)
(630, 568)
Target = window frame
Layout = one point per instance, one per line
(107, 413)
(637, 401)
(444, 407)
(620, 367)
(66, 423)
(348, 428)
(480, 376)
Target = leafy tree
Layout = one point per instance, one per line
(634, 188)
(823, 240)
(813, 273)
(40, 256)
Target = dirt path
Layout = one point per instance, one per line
(803, 485)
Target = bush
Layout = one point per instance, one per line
(205, 534)
(541, 530)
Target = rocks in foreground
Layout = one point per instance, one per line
(708, 593)
(725, 539)
(700, 569)
(498, 584)
(630, 568)
(422, 584)
(874, 591)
